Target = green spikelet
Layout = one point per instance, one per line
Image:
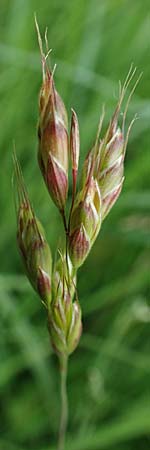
(65, 325)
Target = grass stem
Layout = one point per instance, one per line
(64, 404)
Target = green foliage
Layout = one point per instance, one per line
(93, 45)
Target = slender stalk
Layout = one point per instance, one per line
(64, 404)
(62, 212)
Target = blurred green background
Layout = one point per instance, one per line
(94, 43)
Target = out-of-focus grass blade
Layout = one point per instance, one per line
(117, 291)
(134, 422)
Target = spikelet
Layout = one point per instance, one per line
(101, 181)
(34, 249)
(64, 318)
(53, 136)
(109, 152)
(85, 220)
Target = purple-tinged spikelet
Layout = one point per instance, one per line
(53, 136)
(85, 221)
(108, 153)
(34, 249)
(101, 181)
